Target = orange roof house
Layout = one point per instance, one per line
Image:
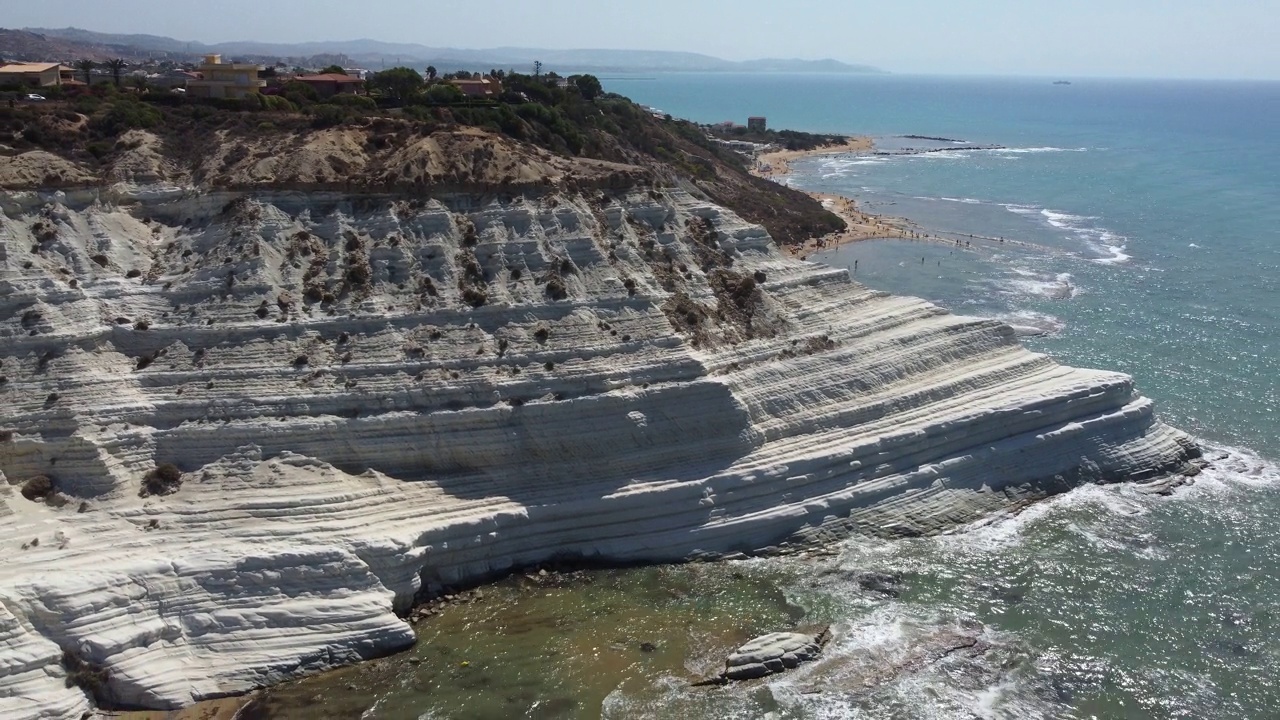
(330, 84)
(483, 88)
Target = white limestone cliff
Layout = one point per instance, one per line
(372, 398)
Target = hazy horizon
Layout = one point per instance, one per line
(1089, 38)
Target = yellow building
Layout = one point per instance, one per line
(225, 80)
(31, 74)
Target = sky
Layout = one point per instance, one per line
(1060, 38)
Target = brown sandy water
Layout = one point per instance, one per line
(558, 647)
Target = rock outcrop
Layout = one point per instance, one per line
(771, 654)
(370, 398)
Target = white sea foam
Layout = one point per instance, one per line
(1110, 248)
(1029, 282)
(1065, 221)
(893, 635)
(1028, 323)
(965, 201)
(1035, 150)
(844, 162)
(943, 155)
(1117, 255)
(1232, 467)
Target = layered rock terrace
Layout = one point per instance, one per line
(372, 397)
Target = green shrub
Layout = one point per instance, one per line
(358, 102)
(37, 488)
(87, 104)
(300, 94)
(445, 94)
(324, 116)
(165, 479)
(277, 103)
(556, 289)
(88, 676)
(474, 297)
(99, 149)
(127, 114)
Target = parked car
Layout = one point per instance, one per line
(33, 96)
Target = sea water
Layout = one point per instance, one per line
(1128, 225)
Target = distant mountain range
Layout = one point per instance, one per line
(374, 54)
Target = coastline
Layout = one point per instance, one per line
(859, 225)
(778, 162)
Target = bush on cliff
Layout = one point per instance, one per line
(165, 479)
(444, 94)
(325, 116)
(37, 488)
(88, 676)
(357, 102)
(126, 113)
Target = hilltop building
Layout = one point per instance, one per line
(32, 74)
(220, 79)
(483, 88)
(757, 124)
(330, 84)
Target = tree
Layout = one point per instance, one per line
(431, 73)
(445, 94)
(537, 68)
(300, 93)
(116, 66)
(333, 70)
(400, 83)
(589, 86)
(86, 66)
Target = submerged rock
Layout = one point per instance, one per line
(881, 583)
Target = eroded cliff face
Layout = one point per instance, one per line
(371, 397)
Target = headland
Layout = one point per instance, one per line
(275, 378)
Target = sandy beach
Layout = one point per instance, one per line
(859, 225)
(778, 162)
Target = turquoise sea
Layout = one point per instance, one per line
(1141, 232)
(1147, 221)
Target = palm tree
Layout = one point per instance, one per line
(116, 66)
(86, 66)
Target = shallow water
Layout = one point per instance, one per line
(559, 647)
